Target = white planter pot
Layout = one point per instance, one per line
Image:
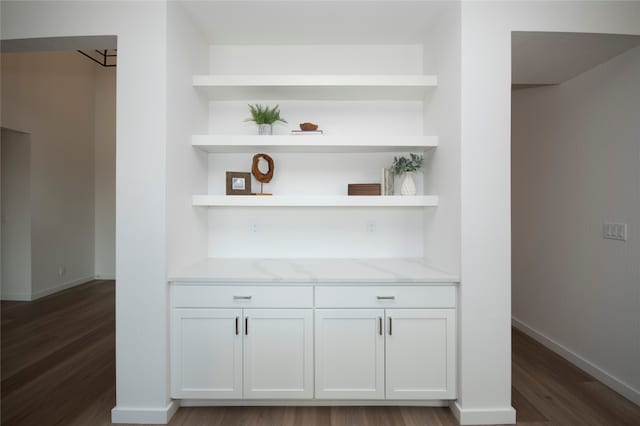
(265, 129)
(408, 186)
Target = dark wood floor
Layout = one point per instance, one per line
(58, 368)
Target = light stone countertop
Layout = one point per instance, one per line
(312, 271)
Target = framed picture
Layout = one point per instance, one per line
(238, 183)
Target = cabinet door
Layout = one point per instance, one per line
(278, 353)
(349, 354)
(206, 353)
(420, 354)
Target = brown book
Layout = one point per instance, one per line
(364, 189)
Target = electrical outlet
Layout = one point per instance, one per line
(615, 231)
(372, 226)
(253, 228)
(61, 270)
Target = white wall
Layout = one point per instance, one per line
(105, 172)
(187, 54)
(316, 59)
(141, 289)
(442, 165)
(486, 277)
(50, 95)
(576, 164)
(15, 149)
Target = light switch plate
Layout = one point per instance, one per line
(615, 231)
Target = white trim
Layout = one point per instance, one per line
(16, 297)
(307, 403)
(483, 416)
(144, 415)
(26, 297)
(105, 276)
(589, 367)
(63, 286)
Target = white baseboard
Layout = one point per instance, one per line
(25, 297)
(16, 297)
(158, 416)
(105, 276)
(63, 286)
(608, 379)
(484, 416)
(307, 403)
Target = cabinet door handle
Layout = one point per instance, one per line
(237, 325)
(246, 326)
(241, 297)
(380, 325)
(386, 297)
(390, 326)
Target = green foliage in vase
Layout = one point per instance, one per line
(265, 114)
(403, 164)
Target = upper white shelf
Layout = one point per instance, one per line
(321, 87)
(312, 143)
(314, 201)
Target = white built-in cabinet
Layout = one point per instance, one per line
(278, 353)
(206, 355)
(236, 353)
(394, 354)
(349, 354)
(339, 342)
(419, 353)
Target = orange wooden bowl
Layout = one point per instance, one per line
(308, 127)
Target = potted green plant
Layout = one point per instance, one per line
(406, 167)
(264, 117)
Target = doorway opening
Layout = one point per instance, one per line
(58, 231)
(64, 101)
(15, 154)
(575, 192)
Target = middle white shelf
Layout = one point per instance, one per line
(314, 201)
(313, 143)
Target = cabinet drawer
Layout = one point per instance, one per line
(212, 296)
(385, 297)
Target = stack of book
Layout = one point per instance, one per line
(387, 183)
(363, 189)
(306, 132)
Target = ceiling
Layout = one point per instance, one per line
(59, 43)
(315, 22)
(544, 58)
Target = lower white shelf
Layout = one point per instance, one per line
(314, 201)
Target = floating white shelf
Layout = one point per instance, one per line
(323, 87)
(314, 201)
(312, 143)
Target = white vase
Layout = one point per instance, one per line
(265, 129)
(408, 186)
